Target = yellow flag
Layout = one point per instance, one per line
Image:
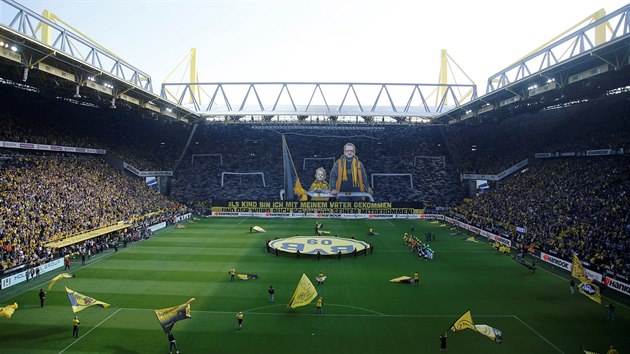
(60, 276)
(577, 270)
(80, 302)
(304, 293)
(464, 322)
(8, 311)
(258, 229)
(247, 276)
(402, 279)
(590, 290)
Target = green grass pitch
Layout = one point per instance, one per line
(363, 311)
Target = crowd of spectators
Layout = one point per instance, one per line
(144, 141)
(248, 148)
(490, 147)
(565, 206)
(561, 205)
(46, 198)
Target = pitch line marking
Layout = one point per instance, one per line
(373, 313)
(538, 334)
(93, 328)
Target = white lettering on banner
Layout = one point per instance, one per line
(21, 276)
(381, 216)
(139, 173)
(6, 282)
(157, 226)
(224, 213)
(599, 152)
(47, 267)
(555, 261)
(326, 215)
(179, 218)
(617, 285)
(487, 234)
(501, 240)
(44, 147)
(479, 176)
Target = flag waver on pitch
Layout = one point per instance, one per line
(167, 317)
(8, 310)
(60, 276)
(80, 302)
(304, 293)
(466, 322)
(292, 187)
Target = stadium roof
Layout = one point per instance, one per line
(42, 56)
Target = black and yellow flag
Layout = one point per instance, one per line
(293, 189)
(168, 317)
(304, 293)
(577, 270)
(591, 290)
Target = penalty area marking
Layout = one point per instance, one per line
(88, 332)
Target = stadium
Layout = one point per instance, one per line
(313, 217)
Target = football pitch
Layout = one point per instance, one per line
(363, 311)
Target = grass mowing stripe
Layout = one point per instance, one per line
(93, 328)
(364, 312)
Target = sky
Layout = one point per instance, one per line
(378, 41)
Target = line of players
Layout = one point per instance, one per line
(423, 250)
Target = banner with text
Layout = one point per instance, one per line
(319, 208)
